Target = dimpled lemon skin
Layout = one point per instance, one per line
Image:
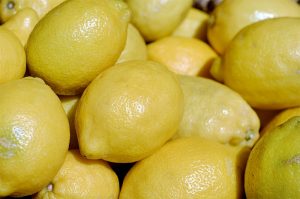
(12, 57)
(232, 15)
(262, 63)
(75, 41)
(34, 136)
(186, 168)
(155, 18)
(128, 112)
(186, 56)
(80, 178)
(216, 112)
(272, 170)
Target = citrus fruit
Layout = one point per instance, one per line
(34, 136)
(129, 111)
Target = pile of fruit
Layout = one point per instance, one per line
(148, 99)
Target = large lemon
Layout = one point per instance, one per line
(187, 168)
(155, 18)
(262, 63)
(34, 136)
(12, 57)
(129, 111)
(75, 41)
(272, 169)
(232, 15)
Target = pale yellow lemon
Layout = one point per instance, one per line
(75, 41)
(80, 178)
(22, 24)
(182, 55)
(135, 48)
(9, 8)
(129, 111)
(280, 118)
(215, 112)
(232, 15)
(272, 169)
(186, 168)
(262, 63)
(155, 18)
(194, 25)
(34, 136)
(69, 104)
(12, 57)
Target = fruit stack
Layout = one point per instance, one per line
(150, 99)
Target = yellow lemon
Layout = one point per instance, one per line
(265, 68)
(135, 48)
(34, 136)
(155, 18)
(80, 178)
(69, 104)
(129, 111)
(186, 168)
(75, 41)
(216, 112)
(232, 15)
(8, 8)
(22, 24)
(272, 169)
(12, 57)
(280, 118)
(194, 25)
(186, 56)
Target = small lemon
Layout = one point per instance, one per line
(272, 169)
(155, 18)
(135, 48)
(186, 168)
(80, 178)
(232, 15)
(186, 56)
(280, 118)
(34, 136)
(22, 24)
(262, 63)
(9, 8)
(12, 57)
(214, 111)
(75, 41)
(128, 112)
(69, 104)
(194, 25)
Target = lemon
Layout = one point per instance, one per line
(155, 18)
(82, 178)
(232, 15)
(214, 111)
(135, 48)
(34, 136)
(129, 111)
(75, 41)
(266, 73)
(22, 24)
(280, 118)
(194, 25)
(186, 56)
(12, 57)
(69, 104)
(9, 8)
(273, 166)
(184, 169)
